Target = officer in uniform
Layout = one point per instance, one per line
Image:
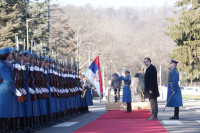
(174, 89)
(7, 91)
(126, 89)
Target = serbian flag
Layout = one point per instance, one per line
(93, 73)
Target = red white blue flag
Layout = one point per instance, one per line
(93, 73)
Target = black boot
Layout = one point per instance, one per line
(128, 107)
(176, 113)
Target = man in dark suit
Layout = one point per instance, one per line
(140, 87)
(116, 85)
(151, 87)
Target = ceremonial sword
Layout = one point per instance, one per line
(169, 100)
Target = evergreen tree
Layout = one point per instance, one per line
(15, 13)
(185, 31)
(9, 22)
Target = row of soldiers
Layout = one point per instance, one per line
(36, 91)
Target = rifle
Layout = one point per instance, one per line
(31, 74)
(23, 75)
(37, 76)
(16, 72)
(41, 74)
(51, 79)
(64, 80)
(45, 77)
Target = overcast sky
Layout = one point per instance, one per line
(115, 3)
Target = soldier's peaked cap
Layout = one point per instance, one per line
(26, 52)
(46, 59)
(127, 71)
(174, 61)
(12, 50)
(5, 50)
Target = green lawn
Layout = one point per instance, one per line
(194, 97)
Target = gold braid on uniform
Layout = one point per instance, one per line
(83, 92)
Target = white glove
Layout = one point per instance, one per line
(40, 90)
(55, 90)
(24, 91)
(31, 91)
(118, 74)
(51, 89)
(37, 91)
(43, 90)
(18, 93)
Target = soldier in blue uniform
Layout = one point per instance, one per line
(88, 94)
(7, 90)
(50, 100)
(173, 87)
(37, 91)
(27, 104)
(35, 103)
(126, 89)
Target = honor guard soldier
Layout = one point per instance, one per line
(174, 97)
(7, 90)
(36, 91)
(88, 94)
(126, 89)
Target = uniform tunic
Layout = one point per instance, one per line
(19, 105)
(7, 91)
(126, 89)
(35, 103)
(173, 78)
(88, 96)
(28, 104)
(51, 100)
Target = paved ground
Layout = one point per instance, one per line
(189, 119)
(192, 105)
(72, 125)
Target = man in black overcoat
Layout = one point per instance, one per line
(151, 87)
(116, 85)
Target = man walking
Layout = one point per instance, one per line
(151, 87)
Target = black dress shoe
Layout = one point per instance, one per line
(174, 118)
(152, 118)
(127, 111)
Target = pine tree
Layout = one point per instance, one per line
(14, 14)
(185, 31)
(9, 23)
(38, 29)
